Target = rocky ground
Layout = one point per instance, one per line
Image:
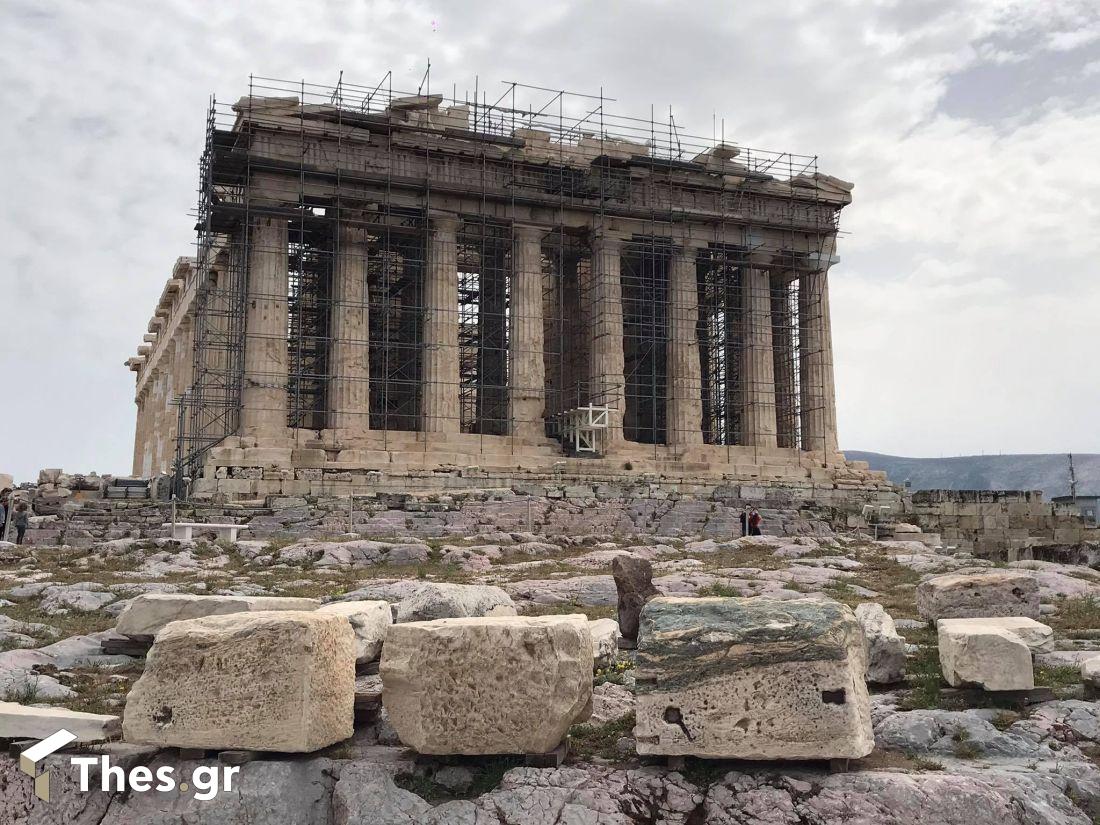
(941, 756)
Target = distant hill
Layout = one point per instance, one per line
(1049, 473)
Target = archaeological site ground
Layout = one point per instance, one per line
(486, 472)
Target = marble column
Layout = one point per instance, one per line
(815, 345)
(786, 408)
(604, 305)
(266, 358)
(527, 375)
(440, 402)
(139, 434)
(684, 413)
(349, 386)
(758, 379)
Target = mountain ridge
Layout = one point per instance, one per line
(1048, 472)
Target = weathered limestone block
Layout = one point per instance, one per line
(369, 620)
(978, 595)
(23, 722)
(751, 679)
(492, 685)
(1037, 636)
(884, 648)
(268, 681)
(634, 584)
(605, 641)
(148, 613)
(1090, 672)
(454, 601)
(990, 657)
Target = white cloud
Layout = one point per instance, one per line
(966, 284)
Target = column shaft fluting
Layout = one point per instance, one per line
(527, 379)
(685, 395)
(349, 388)
(818, 395)
(786, 407)
(604, 304)
(758, 378)
(440, 400)
(266, 358)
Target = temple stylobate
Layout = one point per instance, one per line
(405, 286)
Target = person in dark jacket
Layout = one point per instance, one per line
(744, 522)
(19, 521)
(755, 520)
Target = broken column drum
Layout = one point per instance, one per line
(751, 679)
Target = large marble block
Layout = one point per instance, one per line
(272, 681)
(751, 679)
(487, 685)
(149, 612)
(978, 595)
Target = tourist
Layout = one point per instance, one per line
(755, 520)
(744, 522)
(19, 521)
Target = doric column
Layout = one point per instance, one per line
(349, 387)
(157, 436)
(604, 304)
(527, 378)
(815, 346)
(139, 433)
(439, 407)
(266, 359)
(685, 387)
(758, 379)
(786, 408)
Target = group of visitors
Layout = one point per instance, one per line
(17, 512)
(751, 521)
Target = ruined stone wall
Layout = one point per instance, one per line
(998, 524)
(566, 508)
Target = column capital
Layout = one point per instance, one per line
(444, 221)
(605, 238)
(529, 232)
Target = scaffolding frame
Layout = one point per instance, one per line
(380, 160)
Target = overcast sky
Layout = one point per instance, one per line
(966, 308)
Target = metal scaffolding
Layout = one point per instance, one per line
(356, 173)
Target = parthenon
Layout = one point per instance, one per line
(414, 285)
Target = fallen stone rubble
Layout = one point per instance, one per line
(280, 654)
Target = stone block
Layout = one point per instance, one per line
(23, 722)
(453, 601)
(990, 657)
(752, 678)
(884, 648)
(1038, 637)
(148, 613)
(272, 681)
(605, 641)
(978, 595)
(491, 685)
(369, 620)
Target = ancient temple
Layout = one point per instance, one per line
(408, 286)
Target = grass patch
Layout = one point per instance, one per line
(587, 741)
(925, 681)
(1005, 719)
(1076, 614)
(1056, 677)
(565, 608)
(964, 748)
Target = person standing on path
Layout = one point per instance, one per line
(755, 520)
(19, 522)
